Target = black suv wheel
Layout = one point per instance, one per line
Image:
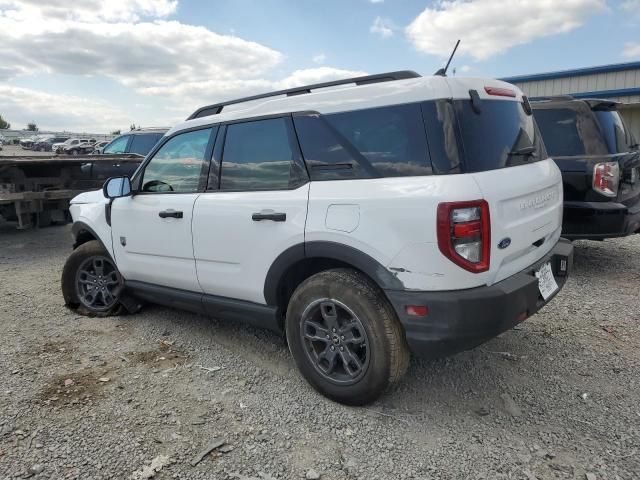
(91, 283)
(345, 337)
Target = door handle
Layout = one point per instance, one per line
(170, 214)
(275, 217)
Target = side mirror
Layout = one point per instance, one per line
(117, 187)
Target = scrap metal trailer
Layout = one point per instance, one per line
(35, 191)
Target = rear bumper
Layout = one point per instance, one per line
(462, 319)
(599, 220)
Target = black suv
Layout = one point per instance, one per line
(135, 142)
(600, 165)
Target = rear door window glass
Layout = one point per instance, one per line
(261, 155)
(143, 143)
(616, 134)
(119, 145)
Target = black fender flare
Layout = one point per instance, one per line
(331, 250)
(78, 227)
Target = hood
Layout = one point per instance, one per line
(95, 196)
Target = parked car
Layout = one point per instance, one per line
(99, 146)
(600, 164)
(393, 214)
(85, 147)
(27, 143)
(135, 142)
(45, 144)
(70, 142)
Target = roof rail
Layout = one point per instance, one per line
(365, 80)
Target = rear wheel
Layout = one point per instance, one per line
(91, 283)
(345, 337)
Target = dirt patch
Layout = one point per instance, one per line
(60, 347)
(166, 356)
(78, 388)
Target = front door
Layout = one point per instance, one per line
(152, 228)
(258, 211)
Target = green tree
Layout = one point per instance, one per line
(4, 124)
(32, 127)
(115, 132)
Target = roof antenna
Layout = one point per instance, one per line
(443, 71)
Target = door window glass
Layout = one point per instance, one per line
(260, 155)
(118, 145)
(144, 142)
(179, 165)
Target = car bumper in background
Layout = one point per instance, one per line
(599, 220)
(462, 319)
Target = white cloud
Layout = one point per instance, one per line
(382, 27)
(376, 1)
(465, 69)
(55, 112)
(490, 27)
(631, 5)
(631, 50)
(319, 59)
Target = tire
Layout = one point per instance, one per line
(78, 275)
(374, 337)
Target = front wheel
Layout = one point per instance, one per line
(345, 337)
(91, 283)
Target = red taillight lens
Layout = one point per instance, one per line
(606, 177)
(500, 92)
(416, 310)
(464, 234)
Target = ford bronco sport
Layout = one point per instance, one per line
(600, 165)
(365, 219)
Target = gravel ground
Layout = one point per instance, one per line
(94, 398)
(16, 150)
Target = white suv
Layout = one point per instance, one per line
(365, 219)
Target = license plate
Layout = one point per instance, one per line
(546, 282)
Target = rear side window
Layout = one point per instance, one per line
(616, 134)
(499, 135)
(261, 155)
(143, 143)
(376, 142)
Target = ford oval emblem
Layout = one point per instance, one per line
(504, 243)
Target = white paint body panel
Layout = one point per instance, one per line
(89, 208)
(158, 250)
(232, 251)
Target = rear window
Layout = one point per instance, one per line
(500, 135)
(142, 144)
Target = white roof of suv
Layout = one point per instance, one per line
(348, 95)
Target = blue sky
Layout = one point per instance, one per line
(100, 66)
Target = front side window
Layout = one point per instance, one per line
(261, 155)
(119, 145)
(179, 165)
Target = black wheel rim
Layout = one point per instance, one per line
(335, 341)
(98, 284)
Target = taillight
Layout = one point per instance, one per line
(464, 234)
(606, 177)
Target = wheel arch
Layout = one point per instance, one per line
(300, 261)
(83, 233)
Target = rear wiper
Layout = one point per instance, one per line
(525, 151)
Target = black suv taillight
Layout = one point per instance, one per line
(464, 234)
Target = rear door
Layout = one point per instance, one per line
(255, 208)
(151, 230)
